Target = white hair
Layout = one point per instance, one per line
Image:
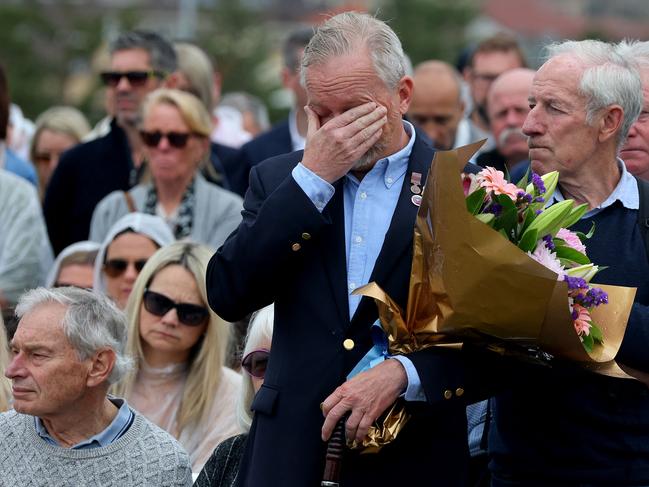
(345, 33)
(637, 51)
(91, 322)
(260, 331)
(610, 77)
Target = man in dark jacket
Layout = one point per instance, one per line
(140, 62)
(317, 225)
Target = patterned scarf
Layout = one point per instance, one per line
(182, 226)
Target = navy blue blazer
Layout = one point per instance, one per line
(286, 252)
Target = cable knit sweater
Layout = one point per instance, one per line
(144, 456)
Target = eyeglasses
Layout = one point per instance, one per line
(188, 314)
(175, 139)
(255, 362)
(117, 267)
(135, 78)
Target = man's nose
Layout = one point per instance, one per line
(531, 125)
(15, 367)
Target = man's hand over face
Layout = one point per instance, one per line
(332, 149)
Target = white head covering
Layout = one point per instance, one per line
(150, 226)
(83, 246)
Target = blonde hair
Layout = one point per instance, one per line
(62, 120)
(5, 384)
(190, 107)
(198, 69)
(206, 360)
(260, 330)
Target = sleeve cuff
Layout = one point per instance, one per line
(414, 391)
(317, 189)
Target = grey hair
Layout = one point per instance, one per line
(610, 77)
(91, 322)
(245, 102)
(161, 52)
(345, 33)
(260, 330)
(296, 41)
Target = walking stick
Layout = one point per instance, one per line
(335, 445)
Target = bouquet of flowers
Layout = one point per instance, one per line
(507, 273)
(518, 212)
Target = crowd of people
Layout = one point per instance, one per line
(177, 282)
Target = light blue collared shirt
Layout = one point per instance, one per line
(626, 192)
(369, 206)
(112, 433)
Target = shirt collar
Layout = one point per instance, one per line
(104, 438)
(297, 141)
(626, 192)
(395, 165)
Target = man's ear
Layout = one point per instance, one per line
(610, 122)
(405, 89)
(101, 366)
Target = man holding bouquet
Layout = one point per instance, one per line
(318, 224)
(564, 426)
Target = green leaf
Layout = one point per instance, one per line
(475, 200)
(507, 221)
(568, 253)
(529, 218)
(549, 222)
(486, 218)
(528, 242)
(575, 215)
(522, 182)
(587, 342)
(596, 333)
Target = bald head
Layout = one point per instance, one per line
(507, 106)
(436, 105)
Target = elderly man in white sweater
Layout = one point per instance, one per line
(65, 429)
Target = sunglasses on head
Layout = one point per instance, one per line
(255, 362)
(135, 78)
(117, 267)
(175, 139)
(188, 314)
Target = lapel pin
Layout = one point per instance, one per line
(415, 184)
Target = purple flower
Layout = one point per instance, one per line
(539, 199)
(576, 283)
(524, 197)
(494, 208)
(549, 243)
(537, 181)
(597, 296)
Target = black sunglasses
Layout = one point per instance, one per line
(175, 139)
(117, 267)
(135, 78)
(188, 314)
(255, 362)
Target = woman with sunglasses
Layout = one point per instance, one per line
(223, 465)
(178, 343)
(175, 131)
(57, 130)
(130, 242)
